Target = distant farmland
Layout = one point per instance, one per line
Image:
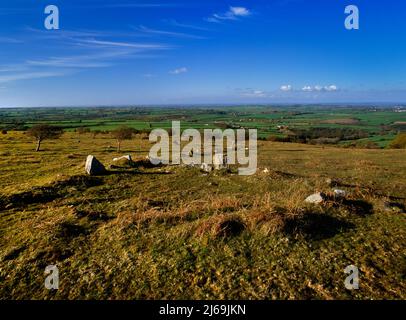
(379, 124)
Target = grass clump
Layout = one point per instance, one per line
(399, 142)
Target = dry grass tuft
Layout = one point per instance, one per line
(221, 226)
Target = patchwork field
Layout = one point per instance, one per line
(377, 125)
(174, 232)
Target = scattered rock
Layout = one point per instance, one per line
(206, 168)
(332, 182)
(93, 166)
(127, 157)
(394, 206)
(266, 170)
(316, 198)
(218, 161)
(153, 161)
(339, 194)
(189, 165)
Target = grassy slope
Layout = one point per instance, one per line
(156, 233)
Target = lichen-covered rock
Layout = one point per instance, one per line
(316, 198)
(339, 194)
(127, 157)
(93, 166)
(206, 168)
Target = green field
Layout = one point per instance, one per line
(378, 123)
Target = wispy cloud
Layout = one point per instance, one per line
(93, 60)
(12, 68)
(179, 71)
(137, 5)
(29, 75)
(233, 13)
(91, 48)
(286, 87)
(70, 34)
(252, 93)
(186, 26)
(9, 40)
(67, 63)
(168, 33)
(102, 43)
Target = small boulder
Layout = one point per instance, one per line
(154, 161)
(206, 168)
(339, 194)
(218, 161)
(316, 198)
(127, 157)
(93, 166)
(332, 182)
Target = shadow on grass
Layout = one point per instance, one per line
(40, 195)
(315, 226)
(13, 254)
(135, 172)
(359, 207)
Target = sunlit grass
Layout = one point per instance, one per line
(175, 233)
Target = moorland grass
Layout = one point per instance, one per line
(175, 233)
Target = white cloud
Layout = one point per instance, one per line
(179, 70)
(331, 88)
(258, 93)
(233, 13)
(253, 93)
(319, 88)
(286, 87)
(240, 11)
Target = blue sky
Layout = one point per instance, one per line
(198, 52)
